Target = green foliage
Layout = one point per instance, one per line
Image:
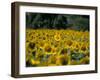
(57, 21)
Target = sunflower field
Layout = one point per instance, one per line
(52, 47)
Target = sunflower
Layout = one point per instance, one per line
(74, 62)
(41, 44)
(83, 47)
(32, 45)
(85, 60)
(34, 62)
(47, 48)
(76, 46)
(52, 59)
(64, 51)
(69, 42)
(62, 59)
(57, 37)
(54, 50)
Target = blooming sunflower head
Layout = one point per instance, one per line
(63, 51)
(69, 42)
(34, 62)
(32, 45)
(52, 59)
(47, 48)
(57, 37)
(83, 47)
(41, 44)
(62, 60)
(54, 50)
